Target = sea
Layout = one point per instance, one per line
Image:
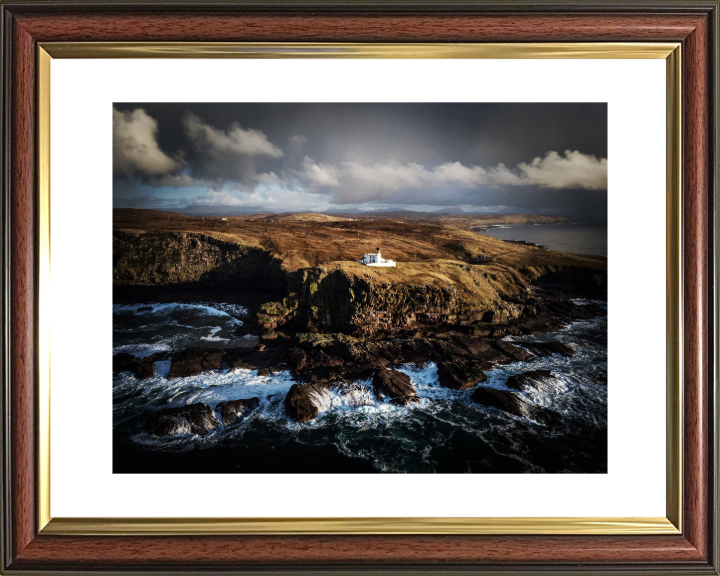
(355, 432)
(588, 239)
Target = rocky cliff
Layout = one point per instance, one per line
(167, 258)
(354, 299)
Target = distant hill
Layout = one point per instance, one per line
(304, 217)
(308, 239)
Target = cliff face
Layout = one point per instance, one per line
(354, 299)
(340, 300)
(141, 259)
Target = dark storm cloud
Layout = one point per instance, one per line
(540, 157)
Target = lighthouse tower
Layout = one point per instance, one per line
(376, 260)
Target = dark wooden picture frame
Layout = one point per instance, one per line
(25, 549)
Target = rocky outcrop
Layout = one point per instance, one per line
(338, 301)
(549, 348)
(530, 379)
(167, 258)
(303, 401)
(511, 402)
(233, 411)
(334, 359)
(489, 303)
(394, 385)
(460, 375)
(195, 360)
(191, 419)
(142, 368)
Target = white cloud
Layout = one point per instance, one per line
(456, 173)
(273, 198)
(135, 146)
(320, 174)
(220, 198)
(234, 140)
(574, 170)
(268, 178)
(381, 180)
(391, 176)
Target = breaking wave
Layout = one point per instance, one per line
(444, 432)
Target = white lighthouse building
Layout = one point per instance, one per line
(376, 260)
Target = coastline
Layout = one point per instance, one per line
(256, 349)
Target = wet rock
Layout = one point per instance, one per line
(304, 401)
(509, 401)
(516, 353)
(404, 400)
(549, 348)
(394, 385)
(146, 369)
(233, 411)
(145, 309)
(195, 360)
(460, 375)
(195, 418)
(598, 377)
(141, 368)
(530, 379)
(124, 362)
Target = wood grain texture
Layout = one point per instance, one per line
(358, 28)
(687, 552)
(217, 552)
(695, 199)
(23, 292)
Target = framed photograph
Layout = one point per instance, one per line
(297, 288)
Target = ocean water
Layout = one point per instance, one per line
(355, 432)
(574, 238)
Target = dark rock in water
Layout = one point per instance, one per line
(598, 377)
(531, 378)
(514, 352)
(265, 372)
(394, 385)
(195, 360)
(141, 368)
(301, 402)
(586, 311)
(235, 410)
(191, 419)
(124, 362)
(460, 375)
(549, 348)
(248, 330)
(145, 309)
(404, 400)
(146, 369)
(509, 401)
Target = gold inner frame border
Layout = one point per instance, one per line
(671, 524)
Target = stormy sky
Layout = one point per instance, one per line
(224, 159)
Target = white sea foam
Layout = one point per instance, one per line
(142, 350)
(359, 425)
(211, 337)
(211, 309)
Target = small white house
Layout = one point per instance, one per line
(376, 260)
